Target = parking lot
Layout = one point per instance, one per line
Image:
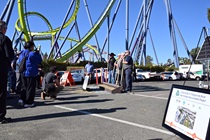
(83, 115)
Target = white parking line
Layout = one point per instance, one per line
(162, 98)
(117, 120)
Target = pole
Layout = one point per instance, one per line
(127, 25)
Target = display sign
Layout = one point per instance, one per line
(187, 112)
(85, 83)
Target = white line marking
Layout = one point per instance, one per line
(160, 94)
(163, 98)
(117, 120)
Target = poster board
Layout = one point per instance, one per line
(85, 83)
(63, 79)
(67, 79)
(187, 112)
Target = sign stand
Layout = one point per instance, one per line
(85, 83)
(187, 112)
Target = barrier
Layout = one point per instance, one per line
(67, 79)
(112, 88)
(96, 77)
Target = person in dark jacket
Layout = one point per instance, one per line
(127, 67)
(51, 84)
(111, 68)
(6, 56)
(28, 89)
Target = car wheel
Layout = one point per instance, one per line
(197, 78)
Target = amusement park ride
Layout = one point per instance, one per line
(136, 46)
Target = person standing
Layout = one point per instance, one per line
(119, 68)
(6, 56)
(18, 76)
(127, 67)
(89, 71)
(28, 89)
(111, 68)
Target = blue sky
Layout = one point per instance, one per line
(190, 15)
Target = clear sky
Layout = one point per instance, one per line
(190, 15)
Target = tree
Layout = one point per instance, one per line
(149, 60)
(194, 52)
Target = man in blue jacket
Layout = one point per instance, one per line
(33, 59)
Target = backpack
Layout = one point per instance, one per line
(22, 65)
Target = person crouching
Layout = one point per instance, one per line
(50, 84)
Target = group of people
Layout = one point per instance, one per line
(28, 79)
(120, 70)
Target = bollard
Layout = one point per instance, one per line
(200, 85)
(96, 77)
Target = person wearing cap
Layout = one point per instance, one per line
(111, 68)
(33, 59)
(6, 56)
(50, 84)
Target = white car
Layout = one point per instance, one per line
(170, 75)
(105, 72)
(140, 77)
(80, 71)
(77, 77)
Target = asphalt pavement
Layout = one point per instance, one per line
(94, 115)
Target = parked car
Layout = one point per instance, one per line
(140, 77)
(191, 75)
(80, 71)
(181, 76)
(170, 75)
(105, 72)
(146, 74)
(77, 77)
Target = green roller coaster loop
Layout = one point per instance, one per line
(53, 31)
(89, 35)
(50, 29)
(79, 44)
(88, 45)
(17, 24)
(72, 39)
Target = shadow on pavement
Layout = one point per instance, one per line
(67, 114)
(75, 97)
(147, 88)
(12, 103)
(155, 139)
(72, 102)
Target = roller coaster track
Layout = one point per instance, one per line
(21, 26)
(89, 35)
(22, 23)
(70, 39)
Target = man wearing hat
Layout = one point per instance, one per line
(111, 69)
